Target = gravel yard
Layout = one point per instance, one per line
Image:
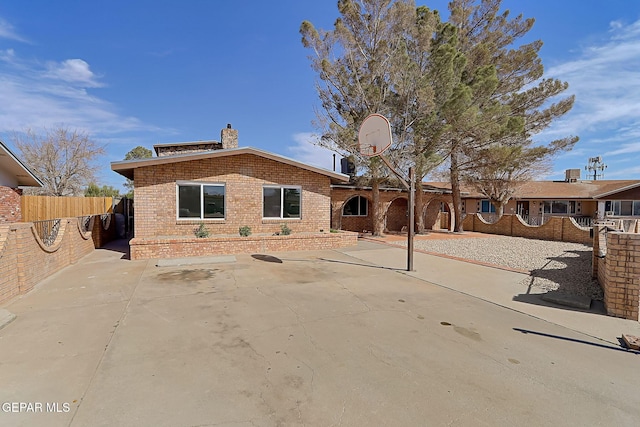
(561, 266)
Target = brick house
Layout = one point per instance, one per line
(13, 173)
(351, 208)
(534, 201)
(226, 187)
(584, 200)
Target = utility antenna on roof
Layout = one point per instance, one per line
(595, 165)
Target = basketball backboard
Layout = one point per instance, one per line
(374, 136)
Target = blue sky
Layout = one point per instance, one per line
(143, 72)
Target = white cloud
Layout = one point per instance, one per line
(74, 71)
(605, 80)
(307, 150)
(8, 32)
(32, 101)
(606, 83)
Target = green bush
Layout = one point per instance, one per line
(245, 231)
(285, 230)
(201, 231)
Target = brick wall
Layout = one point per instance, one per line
(619, 274)
(562, 229)
(25, 260)
(395, 212)
(244, 176)
(10, 205)
(396, 217)
(160, 234)
(148, 248)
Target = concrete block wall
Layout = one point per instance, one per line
(10, 210)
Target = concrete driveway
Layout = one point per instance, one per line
(308, 338)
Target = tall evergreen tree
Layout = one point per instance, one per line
(374, 61)
(502, 99)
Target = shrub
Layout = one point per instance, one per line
(201, 231)
(244, 231)
(285, 230)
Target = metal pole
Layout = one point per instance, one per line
(412, 196)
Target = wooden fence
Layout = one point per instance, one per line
(41, 208)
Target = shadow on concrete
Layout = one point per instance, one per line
(597, 307)
(361, 265)
(574, 340)
(266, 258)
(119, 245)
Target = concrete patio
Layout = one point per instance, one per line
(308, 338)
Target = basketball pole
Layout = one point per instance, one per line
(412, 203)
(374, 137)
(411, 188)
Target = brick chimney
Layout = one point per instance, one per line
(229, 137)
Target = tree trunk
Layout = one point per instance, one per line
(455, 191)
(499, 208)
(378, 215)
(419, 217)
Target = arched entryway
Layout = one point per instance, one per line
(396, 216)
(438, 216)
(356, 214)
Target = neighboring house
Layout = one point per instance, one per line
(534, 201)
(13, 174)
(583, 200)
(226, 187)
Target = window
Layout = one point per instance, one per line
(487, 207)
(623, 207)
(281, 202)
(201, 201)
(356, 206)
(560, 207)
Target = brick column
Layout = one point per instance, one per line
(622, 275)
(10, 210)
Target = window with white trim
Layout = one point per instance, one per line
(279, 202)
(623, 207)
(200, 200)
(356, 206)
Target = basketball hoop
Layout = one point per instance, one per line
(374, 137)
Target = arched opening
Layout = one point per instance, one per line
(437, 215)
(396, 215)
(356, 214)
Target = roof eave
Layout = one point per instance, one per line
(125, 168)
(30, 180)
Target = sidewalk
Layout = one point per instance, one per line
(493, 284)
